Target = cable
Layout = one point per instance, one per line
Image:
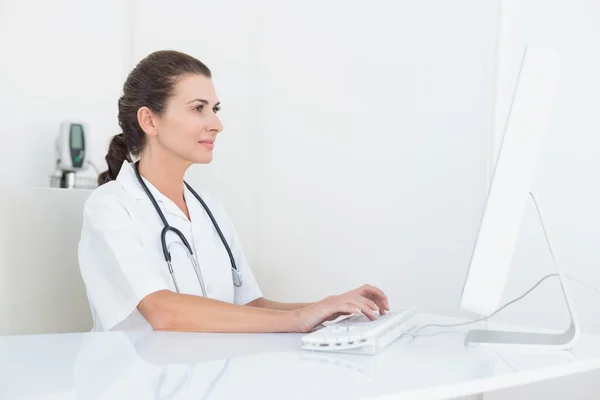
(93, 165)
(582, 283)
(486, 317)
(518, 298)
(414, 334)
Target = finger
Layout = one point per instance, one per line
(368, 302)
(376, 295)
(330, 313)
(361, 300)
(372, 291)
(376, 307)
(371, 304)
(337, 315)
(382, 306)
(349, 308)
(365, 307)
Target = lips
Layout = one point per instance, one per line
(210, 144)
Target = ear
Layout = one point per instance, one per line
(147, 120)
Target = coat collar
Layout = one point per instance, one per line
(127, 178)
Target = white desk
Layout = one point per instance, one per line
(165, 365)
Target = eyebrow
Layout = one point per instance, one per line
(204, 102)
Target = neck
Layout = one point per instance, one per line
(165, 172)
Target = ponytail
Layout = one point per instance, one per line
(117, 154)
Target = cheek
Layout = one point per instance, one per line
(185, 127)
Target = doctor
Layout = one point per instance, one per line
(156, 254)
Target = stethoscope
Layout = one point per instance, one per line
(237, 276)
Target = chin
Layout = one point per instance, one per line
(203, 159)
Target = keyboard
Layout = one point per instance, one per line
(358, 335)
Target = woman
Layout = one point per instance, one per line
(168, 115)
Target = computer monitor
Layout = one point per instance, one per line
(510, 188)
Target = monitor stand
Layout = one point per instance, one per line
(560, 341)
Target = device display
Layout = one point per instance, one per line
(76, 137)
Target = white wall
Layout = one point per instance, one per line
(60, 59)
(375, 119)
(566, 183)
(41, 289)
(69, 59)
(354, 133)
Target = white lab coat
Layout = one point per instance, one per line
(121, 259)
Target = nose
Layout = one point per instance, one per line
(215, 125)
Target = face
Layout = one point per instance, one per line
(189, 125)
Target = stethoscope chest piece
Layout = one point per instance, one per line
(237, 277)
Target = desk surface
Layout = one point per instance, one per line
(166, 365)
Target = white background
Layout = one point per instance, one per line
(356, 136)
(359, 136)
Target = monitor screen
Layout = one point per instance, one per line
(76, 136)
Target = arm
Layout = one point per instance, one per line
(166, 310)
(121, 275)
(275, 305)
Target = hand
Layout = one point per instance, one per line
(366, 299)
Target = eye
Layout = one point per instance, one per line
(216, 109)
(199, 107)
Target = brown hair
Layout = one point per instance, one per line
(149, 84)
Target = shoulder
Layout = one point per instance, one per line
(208, 198)
(110, 198)
(215, 206)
